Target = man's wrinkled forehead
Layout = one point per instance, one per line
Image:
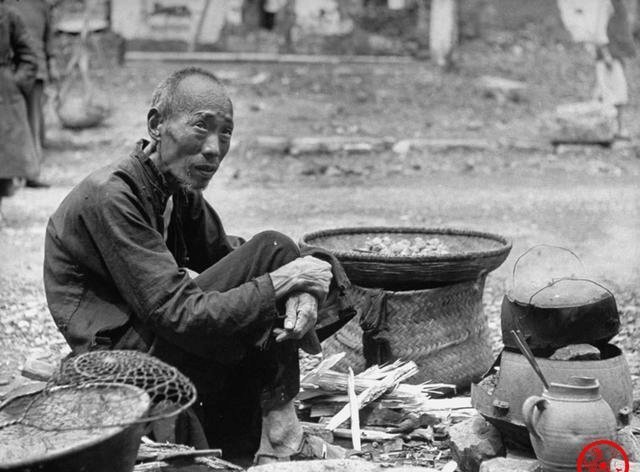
(199, 93)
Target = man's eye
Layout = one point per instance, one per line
(200, 124)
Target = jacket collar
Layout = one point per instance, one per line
(160, 189)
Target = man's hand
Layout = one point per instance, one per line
(301, 314)
(305, 274)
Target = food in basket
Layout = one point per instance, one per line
(385, 246)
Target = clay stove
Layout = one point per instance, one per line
(553, 310)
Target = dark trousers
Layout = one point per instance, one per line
(35, 114)
(250, 379)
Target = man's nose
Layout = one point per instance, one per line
(211, 148)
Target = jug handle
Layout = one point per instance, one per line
(528, 408)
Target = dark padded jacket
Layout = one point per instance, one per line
(110, 275)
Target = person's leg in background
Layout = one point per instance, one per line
(612, 88)
(35, 114)
(621, 99)
(7, 188)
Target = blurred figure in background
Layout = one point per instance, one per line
(604, 26)
(18, 68)
(37, 16)
(611, 85)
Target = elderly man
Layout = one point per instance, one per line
(115, 256)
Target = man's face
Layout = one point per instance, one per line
(193, 142)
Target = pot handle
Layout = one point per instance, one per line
(579, 279)
(538, 246)
(528, 408)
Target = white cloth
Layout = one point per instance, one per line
(611, 83)
(586, 20)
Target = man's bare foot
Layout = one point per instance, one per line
(282, 439)
(281, 435)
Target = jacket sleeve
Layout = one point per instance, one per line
(163, 295)
(24, 56)
(207, 242)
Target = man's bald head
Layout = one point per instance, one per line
(188, 89)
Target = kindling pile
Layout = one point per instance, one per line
(324, 394)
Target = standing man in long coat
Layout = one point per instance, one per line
(38, 18)
(18, 68)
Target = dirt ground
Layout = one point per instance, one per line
(584, 199)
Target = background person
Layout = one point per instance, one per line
(18, 68)
(611, 78)
(603, 25)
(38, 18)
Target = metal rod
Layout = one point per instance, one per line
(526, 352)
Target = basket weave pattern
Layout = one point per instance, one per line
(443, 330)
(472, 254)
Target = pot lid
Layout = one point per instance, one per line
(562, 293)
(553, 277)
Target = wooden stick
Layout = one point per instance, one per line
(324, 365)
(331, 381)
(217, 463)
(150, 466)
(167, 456)
(342, 416)
(366, 434)
(367, 396)
(444, 404)
(355, 411)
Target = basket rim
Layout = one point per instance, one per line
(359, 257)
(82, 445)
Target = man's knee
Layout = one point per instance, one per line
(280, 244)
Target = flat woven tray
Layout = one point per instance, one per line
(471, 254)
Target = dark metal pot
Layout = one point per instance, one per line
(113, 449)
(548, 325)
(115, 453)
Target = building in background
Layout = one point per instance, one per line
(317, 26)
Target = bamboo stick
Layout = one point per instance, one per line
(355, 412)
(367, 396)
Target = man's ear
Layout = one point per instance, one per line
(153, 124)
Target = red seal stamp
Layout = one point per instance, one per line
(597, 456)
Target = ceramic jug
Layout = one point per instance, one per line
(565, 419)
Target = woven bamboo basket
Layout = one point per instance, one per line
(471, 254)
(443, 330)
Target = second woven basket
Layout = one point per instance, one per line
(443, 330)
